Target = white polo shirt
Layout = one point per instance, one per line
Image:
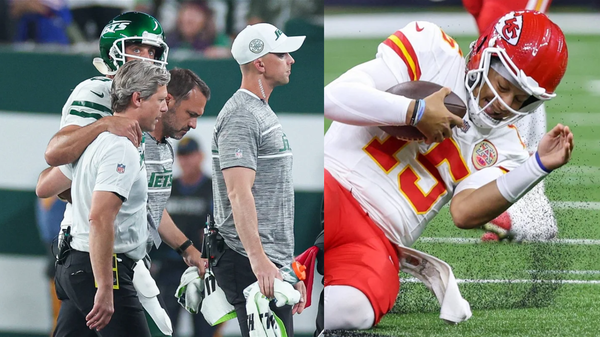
(112, 163)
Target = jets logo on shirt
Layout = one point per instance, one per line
(161, 179)
(484, 155)
(510, 27)
(120, 168)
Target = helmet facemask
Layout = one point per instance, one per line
(497, 59)
(118, 54)
(127, 29)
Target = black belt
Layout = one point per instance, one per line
(126, 261)
(121, 258)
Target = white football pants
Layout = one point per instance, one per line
(347, 308)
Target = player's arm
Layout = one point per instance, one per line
(174, 237)
(69, 143)
(239, 181)
(104, 209)
(51, 182)
(359, 97)
(472, 207)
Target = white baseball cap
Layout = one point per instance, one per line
(260, 39)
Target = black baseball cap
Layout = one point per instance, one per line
(187, 145)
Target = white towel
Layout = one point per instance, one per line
(190, 291)
(437, 275)
(261, 321)
(215, 307)
(193, 292)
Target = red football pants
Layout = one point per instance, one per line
(486, 12)
(357, 252)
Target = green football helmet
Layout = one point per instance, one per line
(126, 28)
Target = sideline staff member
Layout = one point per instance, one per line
(252, 174)
(109, 192)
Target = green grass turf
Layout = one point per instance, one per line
(524, 309)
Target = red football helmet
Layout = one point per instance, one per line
(533, 50)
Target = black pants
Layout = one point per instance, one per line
(234, 274)
(75, 287)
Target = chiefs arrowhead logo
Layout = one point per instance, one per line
(509, 27)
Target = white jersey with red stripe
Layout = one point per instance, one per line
(403, 185)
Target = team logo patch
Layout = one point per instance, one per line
(239, 153)
(256, 46)
(484, 155)
(120, 168)
(509, 27)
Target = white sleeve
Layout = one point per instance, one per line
(88, 102)
(358, 97)
(118, 169)
(478, 179)
(67, 170)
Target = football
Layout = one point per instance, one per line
(419, 90)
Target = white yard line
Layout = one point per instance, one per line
(587, 205)
(593, 87)
(477, 240)
(571, 272)
(462, 281)
(380, 25)
(581, 169)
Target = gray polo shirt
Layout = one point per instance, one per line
(247, 134)
(159, 158)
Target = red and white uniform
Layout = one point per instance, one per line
(400, 185)
(486, 13)
(531, 217)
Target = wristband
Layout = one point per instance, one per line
(184, 246)
(414, 113)
(420, 112)
(539, 161)
(514, 184)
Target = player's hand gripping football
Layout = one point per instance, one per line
(437, 121)
(555, 147)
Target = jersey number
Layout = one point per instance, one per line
(384, 154)
(451, 42)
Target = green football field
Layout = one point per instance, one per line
(550, 289)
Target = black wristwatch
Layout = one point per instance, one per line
(184, 246)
